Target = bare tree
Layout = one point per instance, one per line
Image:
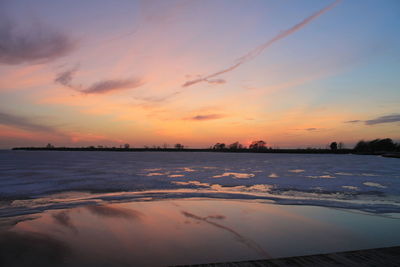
(179, 146)
(340, 145)
(219, 146)
(235, 146)
(333, 146)
(258, 145)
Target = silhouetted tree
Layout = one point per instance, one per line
(235, 146)
(179, 146)
(361, 146)
(257, 145)
(340, 145)
(377, 145)
(383, 145)
(219, 146)
(126, 146)
(49, 146)
(333, 146)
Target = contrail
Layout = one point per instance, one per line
(252, 54)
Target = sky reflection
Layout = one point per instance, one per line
(189, 231)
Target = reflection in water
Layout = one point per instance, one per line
(176, 175)
(116, 212)
(31, 249)
(248, 242)
(273, 175)
(63, 219)
(186, 231)
(185, 169)
(197, 183)
(296, 170)
(327, 176)
(7, 223)
(155, 174)
(152, 170)
(236, 175)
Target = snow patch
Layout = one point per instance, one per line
(350, 187)
(372, 184)
(296, 170)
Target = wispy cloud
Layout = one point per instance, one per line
(384, 119)
(353, 121)
(252, 54)
(24, 123)
(206, 117)
(107, 86)
(311, 129)
(157, 98)
(36, 44)
(66, 77)
(216, 81)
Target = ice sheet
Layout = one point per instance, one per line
(369, 183)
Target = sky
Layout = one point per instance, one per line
(292, 73)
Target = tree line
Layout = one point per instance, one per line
(377, 146)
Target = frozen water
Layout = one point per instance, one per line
(369, 183)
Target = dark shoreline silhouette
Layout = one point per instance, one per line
(244, 150)
(385, 147)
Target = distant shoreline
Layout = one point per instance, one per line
(266, 150)
(244, 150)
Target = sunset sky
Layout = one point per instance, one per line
(292, 73)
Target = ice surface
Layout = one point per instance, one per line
(369, 183)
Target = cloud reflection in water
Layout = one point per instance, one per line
(115, 212)
(246, 241)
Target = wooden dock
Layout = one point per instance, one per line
(386, 257)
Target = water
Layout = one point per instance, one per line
(157, 208)
(187, 231)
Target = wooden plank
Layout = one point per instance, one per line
(387, 257)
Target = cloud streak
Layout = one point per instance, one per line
(206, 117)
(24, 123)
(216, 81)
(311, 129)
(66, 77)
(107, 86)
(353, 121)
(255, 52)
(38, 44)
(157, 99)
(384, 119)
